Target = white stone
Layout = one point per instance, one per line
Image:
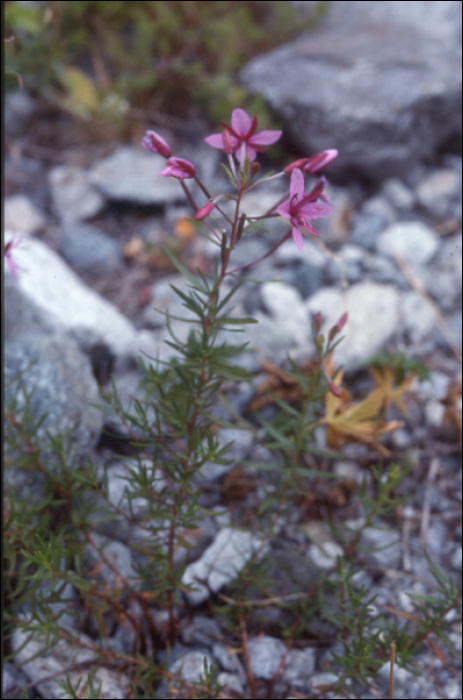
(21, 216)
(412, 240)
(68, 302)
(221, 562)
(373, 318)
(132, 175)
(74, 198)
(324, 557)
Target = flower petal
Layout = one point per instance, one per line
(179, 168)
(315, 210)
(241, 122)
(308, 226)
(299, 241)
(284, 210)
(215, 140)
(265, 138)
(296, 186)
(251, 153)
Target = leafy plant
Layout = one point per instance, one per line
(100, 57)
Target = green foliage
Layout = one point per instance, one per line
(401, 364)
(94, 57)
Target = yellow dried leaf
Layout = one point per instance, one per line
(384, 379)
(361, 422)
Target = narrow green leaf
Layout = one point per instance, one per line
(224, 320)
(229, 175)
(184, 271)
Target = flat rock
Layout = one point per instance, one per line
(381, 83)
(67, 302)
(132, 175)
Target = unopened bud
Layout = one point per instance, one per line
(318, 320)
(342, 321)
(240, 228)
(227, 144)
(335, 390)
(319, 343)
(255, 167)
(297, 164)
(320, 161)
(204, 211)
(337, 327)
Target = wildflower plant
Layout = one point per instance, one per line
(173, 433)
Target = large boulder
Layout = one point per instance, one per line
(381, 82)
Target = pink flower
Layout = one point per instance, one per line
(302, 207)
(242, 131)
(315, 163)
(179, 168)
(156, 144)
(204, 211)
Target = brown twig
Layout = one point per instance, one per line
(247, 656)
(391, 673)
(418, 286)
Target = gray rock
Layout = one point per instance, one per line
(132, 175)
(21, 216)
(67, 302)
(366, 229)
(287, 330)
(220, 563)
(189, 668)
(373, 319)
(108, 578)
(417, 318)
(412, 240)
(437, 191)
(59, 376)
(347, 265)
(39, 660)
(268, 655)
(400, 196)
(380, 82)
(265, 654)
(13, 680)
(74, 197)
(89, 250)
(385, 544)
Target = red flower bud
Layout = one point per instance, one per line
(335, 390)
(156, 144)
(318, 320)
(204, 211)
(320, 161)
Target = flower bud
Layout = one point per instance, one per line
(342, 321)
(204, 211)
(179, 168)
(255, 167)
(227, 144)
(318, 320)
(320, 161)
(335, 390)
(156, 144)
(297, 164)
